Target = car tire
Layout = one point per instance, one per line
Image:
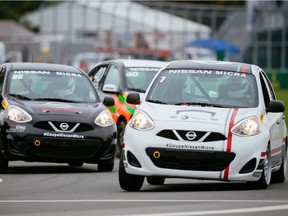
(155, 180)
(105, 167)
(75, 164)
(280, 175)
(265, 179)
(3, 164)
(129, 182)
(120, 133)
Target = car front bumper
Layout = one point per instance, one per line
(35, 144)
(147, 154)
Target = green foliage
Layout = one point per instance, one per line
(15, 9)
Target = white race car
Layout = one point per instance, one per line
(205, 120)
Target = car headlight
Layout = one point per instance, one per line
(17, 114)
(141, 121)
(247, 127)
(104, 119)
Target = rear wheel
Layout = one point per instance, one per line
(128, 182)
(155, 180)
(3, 164)
(120, 135)
(280, 175)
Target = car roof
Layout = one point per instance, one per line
(210, 65)
(139, 62)
(41, 66)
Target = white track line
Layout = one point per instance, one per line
(226, 211)
(193, 213)
(151, 200)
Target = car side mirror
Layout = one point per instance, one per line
(276, 106)
(111, 88)
(108, 101)
(133, 98)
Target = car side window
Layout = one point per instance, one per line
(97, 75)
(112, 77)
(266, 90)
(269, 86)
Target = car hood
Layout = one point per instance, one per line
(58, 108)
(195, 113)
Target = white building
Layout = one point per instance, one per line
(116, 24)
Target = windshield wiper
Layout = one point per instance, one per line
(55, 99)
(156, 101)
(199, 104)
(137, 90)
(20, 96)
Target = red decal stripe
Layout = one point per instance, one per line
(244, 68)
(229, 139)
(274, 151)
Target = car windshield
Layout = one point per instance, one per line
(51, 86)
(204, 88)
(139, 78)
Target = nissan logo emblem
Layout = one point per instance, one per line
(191, 135)
(64, 126)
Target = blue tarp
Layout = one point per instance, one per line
(215, 45)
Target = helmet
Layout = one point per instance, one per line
(237, 87)
(67, 87)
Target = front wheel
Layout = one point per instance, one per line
(105, 167)
(128, 182)
(265, 179)
(75, 164)
(120, 136)
(3, 164)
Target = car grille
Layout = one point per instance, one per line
(72, 148)
(196, 160)
(46, 126)
(202, 136)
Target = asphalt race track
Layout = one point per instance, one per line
(45, 189)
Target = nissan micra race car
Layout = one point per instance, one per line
(52, 113)
(118, 77)
(205, 120)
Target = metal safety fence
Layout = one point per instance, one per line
(156, 30)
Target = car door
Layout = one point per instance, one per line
(275, 120)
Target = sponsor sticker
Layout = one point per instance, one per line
(63, 135)
(17, 129)
(45, 110)
(144, 69)
(207, 72)
(18, 74)
(186, 146)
